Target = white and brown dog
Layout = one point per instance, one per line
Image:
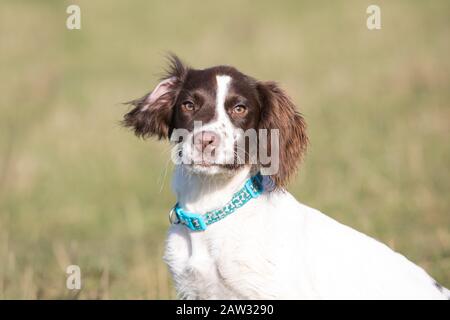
(238, 234)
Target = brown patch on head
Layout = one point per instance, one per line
(279, 112)
(200, 90)
(187, 95)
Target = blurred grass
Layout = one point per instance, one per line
(75, 188)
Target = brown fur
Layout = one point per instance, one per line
(156, 119)
(279, 112)
(269, 108)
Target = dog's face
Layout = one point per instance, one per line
(216, 106)
(220, 119)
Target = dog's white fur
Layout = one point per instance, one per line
(277, 248)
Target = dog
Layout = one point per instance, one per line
(236, 232)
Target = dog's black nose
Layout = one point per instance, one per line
(206, 139)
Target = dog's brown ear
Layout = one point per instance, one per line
(152, 114)
(279, 112)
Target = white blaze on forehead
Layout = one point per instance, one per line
(223, 83)
(221, 124)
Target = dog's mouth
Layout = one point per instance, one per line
(209, 163)
(209, 168)
(206, 164)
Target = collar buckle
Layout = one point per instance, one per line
(191, 220)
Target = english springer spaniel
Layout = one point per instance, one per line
(236, 232)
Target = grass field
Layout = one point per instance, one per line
(76, 188)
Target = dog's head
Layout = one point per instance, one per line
(220, 119)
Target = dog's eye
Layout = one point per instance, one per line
(239, 109)
(188, 106)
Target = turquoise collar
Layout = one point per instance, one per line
(198, 222)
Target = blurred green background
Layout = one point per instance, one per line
(76, 188)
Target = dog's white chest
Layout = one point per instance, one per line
(230, 261)
(195, 263)
(276, 248)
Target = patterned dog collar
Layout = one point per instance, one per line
(198, 222)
